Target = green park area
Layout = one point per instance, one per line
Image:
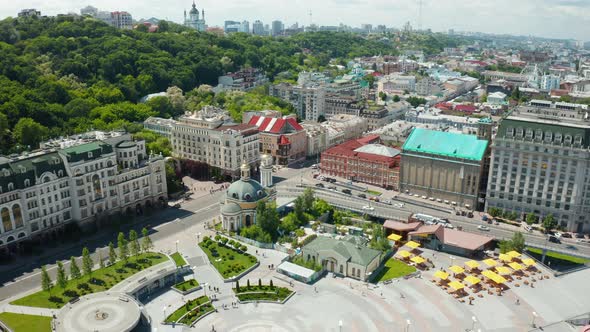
(187, 285)
(26, 323)
(557, 260)
(394, 269)
(191, 311)
(97, 281)
(226, 257)
(178, 259)
(261, 292)
(373, 192)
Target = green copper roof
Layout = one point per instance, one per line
(81, 152)
(347, 248)
(445, 144)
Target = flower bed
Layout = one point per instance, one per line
(190, 318)
(262, 293)
(186, 308)
(228, 261)
(187, 286)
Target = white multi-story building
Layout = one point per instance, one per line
(396, 83)
(206, 137)
(81, 179)
(427, 87)
(122, 20)
(309, 103)
(550, 82)
(540, 164)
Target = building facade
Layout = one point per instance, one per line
(83, 179)
(363, 160)
(540, 164)
(122, 20)
(282, 138)
(309, 103)
(193, 20)
(443, 166)
(243, 80)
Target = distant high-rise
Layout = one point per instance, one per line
(277, 28)
(89, 10)
(29, 13)
(122, 20)
(245, 27)
(231, 26)
(258, 28)
(193, 20)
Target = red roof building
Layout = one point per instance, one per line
(283, 138)
(363, 160)
(469, 109)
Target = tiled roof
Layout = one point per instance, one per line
(401, 226)
(349, 249)
(275, 125)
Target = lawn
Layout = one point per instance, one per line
(178, 259)
(373, 192)
(228, 261)
(557, 258)
(262, 293)
(26, 323)
(186, 285)
(308, 264)
(100, 280)
(188, 306)
(394, 269)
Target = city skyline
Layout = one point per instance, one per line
(552, 18)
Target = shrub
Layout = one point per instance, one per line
(56, 299)
(248, 284)
(217, 237)
(259, 283)
(207, 239)
(243, 248)
(83, 286)
(271, 285)
(70, 293)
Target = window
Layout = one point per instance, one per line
(10, 186)
(548, 136)
(568, 139)
(5, 214)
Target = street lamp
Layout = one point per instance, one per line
(408, 323)
(205, 288)
(177, 245)
(452, 259)
(534, 316)
(198, 237)
(195, 272)
(473, 324)
(164, 309)
(340, 325)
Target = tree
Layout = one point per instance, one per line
(87, 263)
(259, 282)
(299, 210)
(237, 286)
(74, 269)
(494, 212)
(112, 254)
(549, 222)
(396, 98)
(45, 280)
(308, 199)
(62, 279)
(531, 218)
(271, 285)
(146, 242)
(133, 243)
(515, 94)
(267, 218)
(383, 96)
(505, 246)
(518, 242)
(123, 246)
(100, 260)
(29, 133)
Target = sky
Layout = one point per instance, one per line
(547, 18)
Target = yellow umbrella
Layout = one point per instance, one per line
(418, 260)
(456, 285)
(472, 280)
(404, 254)
(499, 279)
(490, 262)
(472, 264)
(394, 237)
(441, 274)
(457, 269)
(413, 244)
(494, 276)
(503, 270)
(529, 262)
(505, 258)
(515, 266)
(513, 254)
(489, 273)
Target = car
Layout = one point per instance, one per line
(578, 235)
(483, 228)
(469, 214)
(449, 226)
(367, 207)
(489, 253)
(315, 176)
(177, 206)
(566, 235)
(332, 187)
(431, 199)
(321, 178)
(558, 235)
(386, 201)
(424, 197)
(553, 239)
(571, 247)
(347, 191)
(332, 180)
(528, 228)
(319, 185)
(484, 218)
(362, 195)
(314, 166)
(374, 198)
(496, 222)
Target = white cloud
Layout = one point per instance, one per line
(553, 18)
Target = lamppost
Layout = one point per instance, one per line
(340, 325)
(534, 316)
(474, 320)
(177, 245)
(198, 237)
(194, 272)
(452, 259)
(205, 288)
(408, 324)
(164, 310)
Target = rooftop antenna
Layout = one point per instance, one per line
(419, 14)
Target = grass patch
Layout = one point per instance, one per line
(558, 259)
(26, 323)
(100, 280)
(197, 313)
(263, 293)
(178, 259)
(228, 261)
(188, 306)
(308, 264)
(374, 193)
(187, 285)
(394, 269)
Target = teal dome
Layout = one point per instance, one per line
(246, 191)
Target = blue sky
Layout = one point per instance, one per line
(551, 18)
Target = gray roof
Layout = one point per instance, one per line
(350, 248)
(230, 208)
(378, 149)
(246, 191)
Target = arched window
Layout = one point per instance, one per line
(10, 186)
(27, 183)
(6, 219)
(353, 271)
(60, 173)
(96, 185)
(46, 179)
(358, 273)
(341, 269)
(18, 217)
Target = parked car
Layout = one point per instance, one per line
(469, 214)
(362, 195)
(177, 205)
(370, 208)
(579, 235)
(484, 218)
(332, 187)
(554, 239)
(528, 228)
(315, 176)
(319, 185)
(449, 226)
(388, 202)
(483, 228)
(374, 198)
(558, 235)
(314, 166)
(347, 191)
(566, 235)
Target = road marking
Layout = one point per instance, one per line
(207, 207)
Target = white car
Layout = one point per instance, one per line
(370, 208)
(483, 228)
(388, 202)
(557, 235)
(449, 226)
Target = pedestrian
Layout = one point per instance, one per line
(517, 301)
(256, 251)
(402, 295)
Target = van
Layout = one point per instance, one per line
(528, 228)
